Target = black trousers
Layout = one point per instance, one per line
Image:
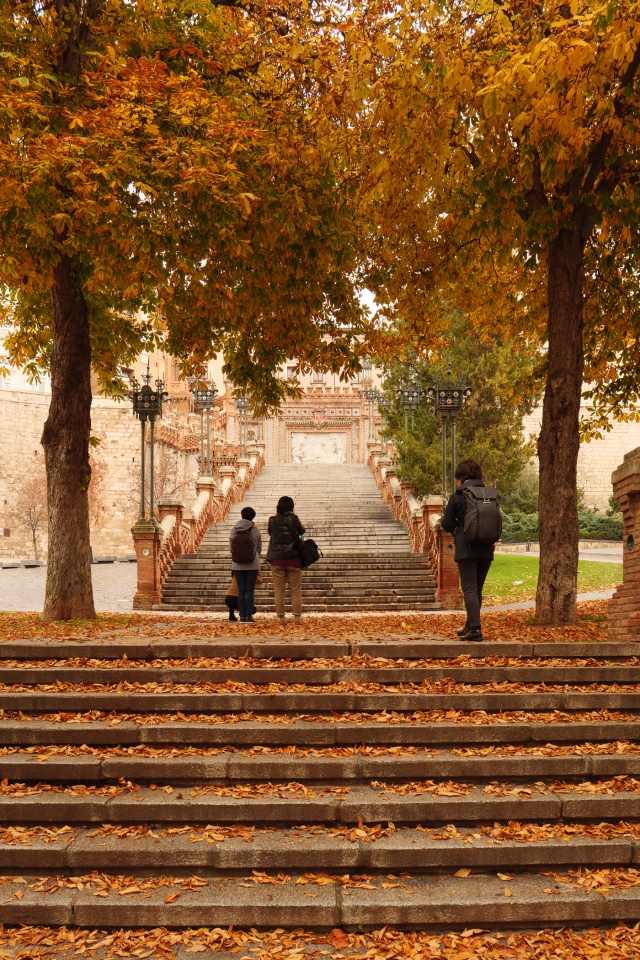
(473, 574)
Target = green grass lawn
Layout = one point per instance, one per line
(514, 577)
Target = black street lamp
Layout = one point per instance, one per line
(147, 405)
(205, 399)
(448, 400)
(242, 403)
(409, 395)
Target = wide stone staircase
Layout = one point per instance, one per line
(367, 562)
(170, 776)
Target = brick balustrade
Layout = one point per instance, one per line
(624, 606)
(181, 528)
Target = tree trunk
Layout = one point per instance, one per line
(559, 442)
(35, 546)
(69, 593)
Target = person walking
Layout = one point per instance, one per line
(285, 531)
(246, 546)
(473, 558)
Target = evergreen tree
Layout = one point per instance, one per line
(489, 429)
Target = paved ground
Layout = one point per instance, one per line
(114, 584)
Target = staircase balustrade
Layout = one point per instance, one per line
(180, 529)
(420, 517)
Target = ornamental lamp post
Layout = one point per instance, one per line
(384, 406)
(205, 399)
(242, 403)
(409, 395)
(372, 395)
(147, 405)
(448, 400)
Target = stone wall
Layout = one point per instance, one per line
(22, 416)
(597, 459)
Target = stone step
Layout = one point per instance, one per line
(340, 605)
(329, 731)
(320, 676)
(297, 646)
(259, 701)
(415, 902)
(308, 848)
(111, 766)
(327, 802)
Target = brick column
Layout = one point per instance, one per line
(147, 539)
(448, 591)
(624, 606)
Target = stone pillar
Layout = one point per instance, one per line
(147, 540)
(172, 506)
(448, 591)
(624, 606)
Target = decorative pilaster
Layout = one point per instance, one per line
(624, 606)
(147, 540)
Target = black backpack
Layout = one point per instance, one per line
(482, 518)
(243, 548)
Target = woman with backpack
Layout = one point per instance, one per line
(246, 546)
(476, 525)
(285, 531)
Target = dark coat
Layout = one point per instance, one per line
(453, 522)
(284, 529)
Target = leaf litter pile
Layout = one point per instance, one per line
(144, 751)
(509, 625)
(512, 832)
(392, 717)
(300, 791)
(435, 687)
(361, 661)
(602, 880)
(387, 944)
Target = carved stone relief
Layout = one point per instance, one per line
(318, 448)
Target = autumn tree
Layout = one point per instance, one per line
(165, 173)
(29, 507)
(502, 171)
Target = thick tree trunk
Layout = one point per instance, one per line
(559, 442)
(69, 593)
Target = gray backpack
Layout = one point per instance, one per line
(482, 517)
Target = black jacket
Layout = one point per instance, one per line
(284, 529)
(453, 522)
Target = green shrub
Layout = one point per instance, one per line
(519, 527)
(596, 526)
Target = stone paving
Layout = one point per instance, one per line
(114, 584)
